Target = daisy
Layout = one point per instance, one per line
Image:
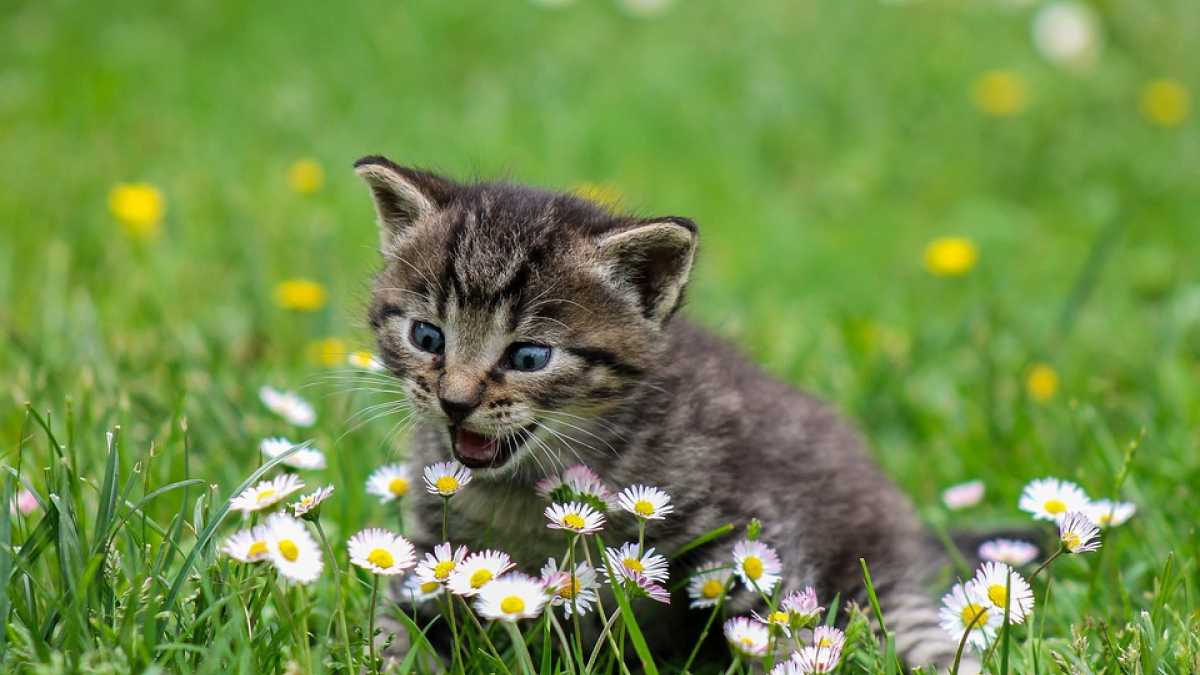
(574, 517)
(1050, 498)
(247, 545)
(1106, 513)
(381, 552)
(829, 639)
(437, 566)
(802, 606)
(289, 406)
(779, 619)
(446, 478)
(305, 458)
(577, 484)
(638, 585)
(646, 503)
(511, 598)
(748, 638)
(963, 495)
(1067, 34)
(312, 503)
(963, 609)
(997, 581)
(707, 586)
(625, 561)
(816, 659)
(1008, 551)
(419, 591)
(790, 666)
(292, 549)
(389, 482)
(1076, 532)
(576, 594)
(477, 570)
(757, 565)
(364, 360)
(267, 493)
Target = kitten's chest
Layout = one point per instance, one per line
(505, 518)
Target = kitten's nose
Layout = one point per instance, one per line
(458, 409)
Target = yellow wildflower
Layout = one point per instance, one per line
(306, 176)
(139, 207)
(1165, 102)
(1041, 381)
(302, 295)
(330, 352)
(950, 256)
(1000, 93)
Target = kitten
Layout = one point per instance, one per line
(532, 330)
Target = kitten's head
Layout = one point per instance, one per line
(503, 308)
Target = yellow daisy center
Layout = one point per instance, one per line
(712, 588)
(634, 564)
(256, 549)
(264, 496)
(429, 586)
(480, 578)
(753, 567)
(289, 549)
(443, 569)
(447, 484)
(1071, 540)
(1055, 506)
(971, 612)
(306, 501)
(644, 508)
(512, 605)
(1105, 519)
(748, 642)
(825, 642)
(573, 521)
(570, 590)
(398, 486)
(779, 617)
(997, 594)
(381, 559)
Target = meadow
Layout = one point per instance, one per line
(979, 240)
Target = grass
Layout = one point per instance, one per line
(820, 146)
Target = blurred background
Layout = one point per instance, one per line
(972, 224)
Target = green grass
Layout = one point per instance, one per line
(819, 145)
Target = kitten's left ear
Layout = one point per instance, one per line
(653, 258)
(403, 197)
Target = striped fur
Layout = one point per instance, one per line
(632, 390)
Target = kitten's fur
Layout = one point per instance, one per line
(631, 390)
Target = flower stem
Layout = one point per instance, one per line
(371, 623)
(1061, 550)
(337, 595)
(445, 519)
(522, 650)
(711, 617)
(574, 590)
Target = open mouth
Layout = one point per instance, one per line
(478, 451)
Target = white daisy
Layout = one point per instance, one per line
(289, 406)
(437, 566)
(1050, 498)
(364, 360)
(707, 586)
(267, 493)
(389, 482)
(790, 666)
(477, 570)
(802, 606)
(577, 484)
(815, 659)
(780, 620)
(647, 503)
(1008, 551)
(574, 517)
(747, 637)
(625, 561)
(757, 565)
(963, 495)
(418, 591)
(963, 609)
(1076, 532)
(446, 478)
(292, 549)
(247, 545)
(1106, 513)
(831, 640)
(381, 552)
(306, 458)
(997, 581)
(311, 504)
(1067, 34)
(576, 594)
(638, 585)
(511, 598)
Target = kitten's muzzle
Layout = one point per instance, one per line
(458, 409)
(478, 451)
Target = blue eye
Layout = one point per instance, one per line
(528, 357)
(428, 337)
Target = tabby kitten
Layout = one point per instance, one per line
(533, 330)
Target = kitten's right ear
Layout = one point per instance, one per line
(403, 196)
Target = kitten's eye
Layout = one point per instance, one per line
(528, 357)
(428, 337)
